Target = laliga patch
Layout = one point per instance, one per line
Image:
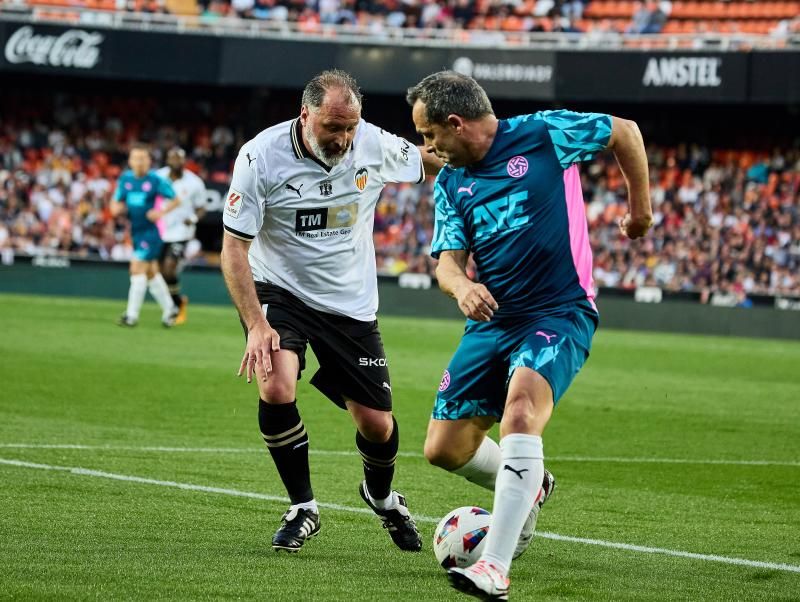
(361, 178)
(233, 204)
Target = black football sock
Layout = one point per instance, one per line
(287, 441)
(379, 461)
(174, 290)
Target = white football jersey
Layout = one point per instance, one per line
(191, 191)
(311, 225)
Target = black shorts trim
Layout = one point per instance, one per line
(352, 360)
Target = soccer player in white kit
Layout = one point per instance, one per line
(299, 262)
(178, 227)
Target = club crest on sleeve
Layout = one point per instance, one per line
(361, 177)
(233, 203)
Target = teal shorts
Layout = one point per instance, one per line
(555, 345)
(147, 246)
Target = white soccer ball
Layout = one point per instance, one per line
(460, 536)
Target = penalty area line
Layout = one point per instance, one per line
(86, 472)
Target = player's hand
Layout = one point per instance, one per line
(154, 215)
(262, 342)
(476, 302)
(635, 228)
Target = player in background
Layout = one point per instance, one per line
(178, 227)
(299, 262)
(510, 195)
(137, 191)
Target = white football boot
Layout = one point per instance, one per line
(482, 580)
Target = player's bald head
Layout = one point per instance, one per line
(333, 87)
(176, 159)
(176, 152)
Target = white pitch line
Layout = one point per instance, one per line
(624, 460)
(86, 472)
(679, 553)
(328, 452)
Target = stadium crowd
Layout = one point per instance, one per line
(726, 221)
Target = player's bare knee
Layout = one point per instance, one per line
(276, 390)
(444, 456)
(375, 427)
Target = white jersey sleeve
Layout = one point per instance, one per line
(199, 194)
(402, 161)
(243, 215)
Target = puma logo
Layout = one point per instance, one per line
(547, 336)
(516, 472)
(467, 189)
(249, 160)
(293, 189)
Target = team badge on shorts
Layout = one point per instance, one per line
(361, 177)
(445, 381)
(517, 166)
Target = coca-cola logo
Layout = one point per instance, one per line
(74, 48)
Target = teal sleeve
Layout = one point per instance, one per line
(449, 232)
(119, 193)
(165, 188)
(576, 136)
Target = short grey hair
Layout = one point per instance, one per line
(446, 93)
(315, 90)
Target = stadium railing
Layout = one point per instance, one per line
(229, 26)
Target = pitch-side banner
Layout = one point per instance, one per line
(652, 77)
(384, 68)
(626, 76)
(775, 77)
(97, 52)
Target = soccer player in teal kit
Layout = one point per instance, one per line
(137, 191)
(510, 195)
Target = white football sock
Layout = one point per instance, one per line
(312, 505)
(482, 468)
(136, 293)
(388, 502)
(518, 483)
(160, 291)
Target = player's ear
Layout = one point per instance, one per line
(456, 122)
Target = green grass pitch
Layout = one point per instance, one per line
(727, 411)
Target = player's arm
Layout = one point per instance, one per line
(156, 214)
(198, 204)
(166, 191)
(242, 220)
(262, 340)
(628, 147)
(450, 245)
(404, 162)
(474, 299)
(117, 206)
(580, 136)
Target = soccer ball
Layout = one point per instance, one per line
(460, 536)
